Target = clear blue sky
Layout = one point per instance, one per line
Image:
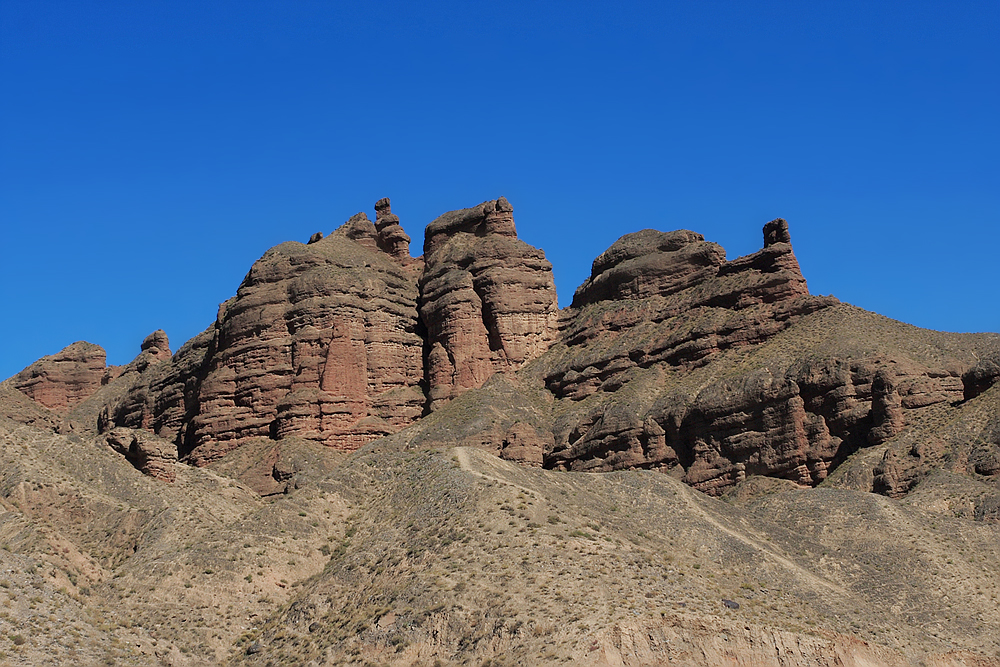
(151, 151)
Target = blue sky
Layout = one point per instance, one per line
(151, 151)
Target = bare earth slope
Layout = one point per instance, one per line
(414, 556)
(461, 556)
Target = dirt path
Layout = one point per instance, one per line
(798, 570)
(462, 453)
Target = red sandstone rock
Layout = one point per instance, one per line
(671, 298)
(525, 444)
(149, 455)
(360, 229)
(321, 341)
(391, 237)
(62, 380)
(887, 409)
(670, 301)
(488, 300)
(157, 345)
(162, 397)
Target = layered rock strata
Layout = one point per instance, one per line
(670, 303)
(157, 345)
(322, 341)
(161, 398)
(391, 238)
(671, 357)
(149, 455)
(64, 379)
(488, 299)
(672, 298)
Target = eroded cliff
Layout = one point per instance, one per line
(670, 357)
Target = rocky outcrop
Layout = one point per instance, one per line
(161, 398)
(149, 454)
(488, 300)
(62, 380)
(795, 424)
(651, 263)
(886, 410)
(360, 229)
(525, 444)
(157, 345)
(322, 341)
(671, 298)
(671, 357)
(983, 375)
(889, 477)
(659, 306)
(391, 237)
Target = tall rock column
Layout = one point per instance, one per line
(391, 237)
(488, 299)
(887, 410)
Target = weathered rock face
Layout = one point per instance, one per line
(525, 444)
(148, 454)
(671, 298)
(321, 341)
(983, 375)
(162, 398)
(795, 424)
(488, 300)
(657, 307)
(157, 345)
(63, 380)
(651, 263)
(670, 358)
(391, 237)
(887, 410)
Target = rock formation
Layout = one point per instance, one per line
(391, 237)
(321, 341)
(157, 345)
(983, 375)
(148, 454)
(63, 380)
(488, 300)
(887, 410)
(658, 307)
(671, 357)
